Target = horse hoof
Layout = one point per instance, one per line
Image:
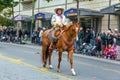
(44, 66)
(58, 71)
(74, 74)
(50, 66)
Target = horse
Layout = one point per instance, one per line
(64, 43)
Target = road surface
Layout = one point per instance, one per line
(22, 62)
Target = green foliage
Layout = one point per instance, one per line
(7, 3)
(5, 21)
(8, 13)
(3, 5)
(48, 0)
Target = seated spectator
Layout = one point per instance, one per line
(110, 52)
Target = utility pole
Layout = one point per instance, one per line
(32, 23)
(65, 4)
(38, 6)
(78, 11)
(109, 16)
(19, 7)
(13, 13)
(38, 12)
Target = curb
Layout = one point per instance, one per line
(98, 59)
(78, 55)
(24, 45)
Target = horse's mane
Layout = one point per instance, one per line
(69, 26)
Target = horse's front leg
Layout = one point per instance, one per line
(59, 59)
(50, 55)
(70, 55)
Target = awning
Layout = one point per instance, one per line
(114, 9)
(83, 12)
(88, 12)
(22, 18)
(43, 15)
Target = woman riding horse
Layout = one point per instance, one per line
(64, 43)
(57, 21)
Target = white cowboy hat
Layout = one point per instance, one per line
(59, 8)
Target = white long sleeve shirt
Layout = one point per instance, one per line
(57, 18)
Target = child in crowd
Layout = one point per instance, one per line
(110, 52)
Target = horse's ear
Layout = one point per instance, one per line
(78, 23)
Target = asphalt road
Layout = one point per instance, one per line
(21, 62)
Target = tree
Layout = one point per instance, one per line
(48, 0)
(7, 4)
(5, 21)
(6, 11)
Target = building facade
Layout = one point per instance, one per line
(100, 23)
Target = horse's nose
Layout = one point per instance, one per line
(77, 33)
(76, 29)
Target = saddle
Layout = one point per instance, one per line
(54, 34)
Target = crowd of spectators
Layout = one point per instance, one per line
(13, 35)
(98, 43)
(37, 36)
(21, 36)
(90, 42)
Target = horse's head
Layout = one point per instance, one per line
(74, 29)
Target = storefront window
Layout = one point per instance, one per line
(88, 22)
(85, 22)
(46, 24)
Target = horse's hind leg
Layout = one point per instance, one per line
(44, 60)
(70, 55)
(50, 54)
(45, 55)
(59, 59)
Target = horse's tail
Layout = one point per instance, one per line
(47, 52)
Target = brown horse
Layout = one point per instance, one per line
(64, 43)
